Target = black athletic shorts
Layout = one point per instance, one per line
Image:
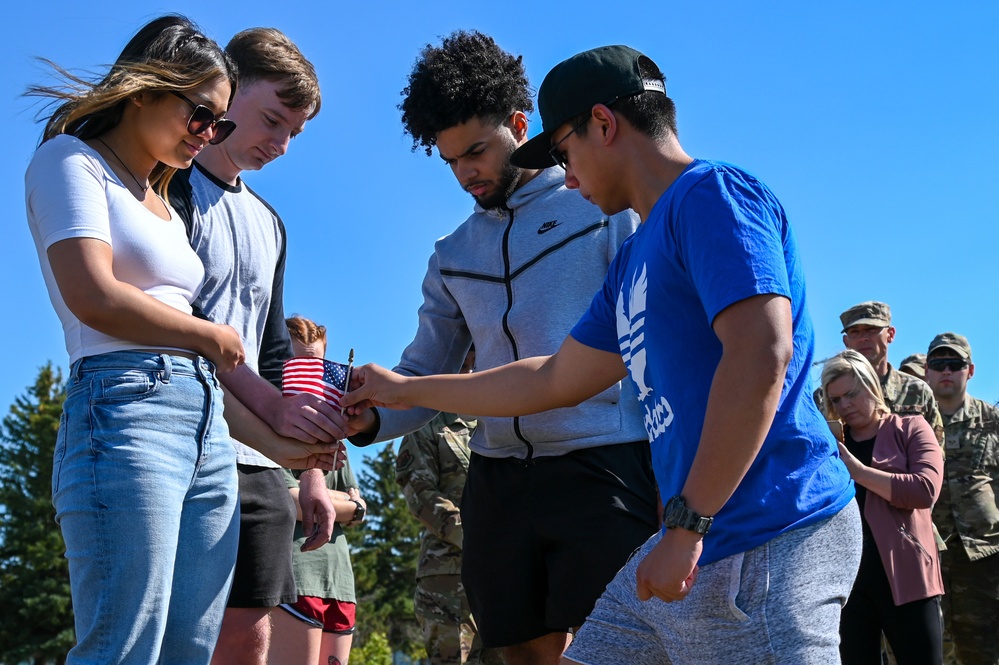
(542, 539)
(267, 517)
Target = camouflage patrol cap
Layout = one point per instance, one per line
(870, 313)
(948, 340)
(915, 365)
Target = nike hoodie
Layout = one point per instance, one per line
(514, 282)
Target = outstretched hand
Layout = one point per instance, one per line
(372, 385)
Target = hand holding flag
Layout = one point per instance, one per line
(316, 376)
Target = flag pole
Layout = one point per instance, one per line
(346, 386)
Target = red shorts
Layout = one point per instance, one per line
(333, 616)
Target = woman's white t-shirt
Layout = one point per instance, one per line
(70, 192)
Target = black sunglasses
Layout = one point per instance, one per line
(557, 155)
(940, 364)
(202, 118)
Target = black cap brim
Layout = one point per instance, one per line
(535, 154)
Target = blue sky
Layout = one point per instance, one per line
(874, 123)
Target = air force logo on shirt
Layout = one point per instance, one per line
(631, 339)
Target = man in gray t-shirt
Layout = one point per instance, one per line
(241, 241)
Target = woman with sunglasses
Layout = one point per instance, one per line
(144, 476)
(897, 466)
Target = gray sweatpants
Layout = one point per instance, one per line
(777, 603)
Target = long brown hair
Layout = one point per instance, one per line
(168, 53)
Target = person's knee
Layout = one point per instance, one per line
(245, 637)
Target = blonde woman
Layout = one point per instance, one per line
(144, 479)
(897, 466)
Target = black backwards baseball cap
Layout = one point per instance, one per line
(598, 76)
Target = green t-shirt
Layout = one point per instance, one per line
(326, 572)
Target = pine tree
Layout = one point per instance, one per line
(37, 625)
(384, 552)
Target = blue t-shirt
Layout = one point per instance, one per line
(717, 236)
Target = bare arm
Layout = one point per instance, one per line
(341, 503)
(316, 508)
(757, 343)
(246, 427)
(83, 270)
(575, 373)
(305, 417)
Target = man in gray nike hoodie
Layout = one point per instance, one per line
(555, 502)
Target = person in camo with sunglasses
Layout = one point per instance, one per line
(967, 513)
(144, 476)
(241, 240)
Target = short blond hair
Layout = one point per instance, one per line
(851, 363)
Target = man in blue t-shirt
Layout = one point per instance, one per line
(704, 307)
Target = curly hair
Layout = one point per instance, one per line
(467, 76)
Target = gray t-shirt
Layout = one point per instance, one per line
(326, 572)
(241, 241)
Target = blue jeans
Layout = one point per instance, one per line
(144, 487)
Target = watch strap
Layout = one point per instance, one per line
(359, 512)
(678, 515)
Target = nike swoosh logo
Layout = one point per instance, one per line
(548, 226)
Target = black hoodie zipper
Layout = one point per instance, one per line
(508, 281)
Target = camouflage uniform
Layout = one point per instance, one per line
(904, 394)
(914, 365)
(967, 516)
(908, 396)
(431, 468)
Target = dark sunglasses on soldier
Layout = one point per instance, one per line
(940, 364)
(202, 118)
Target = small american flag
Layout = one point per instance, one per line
(316, 376)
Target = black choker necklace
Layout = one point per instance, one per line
(139, 184)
